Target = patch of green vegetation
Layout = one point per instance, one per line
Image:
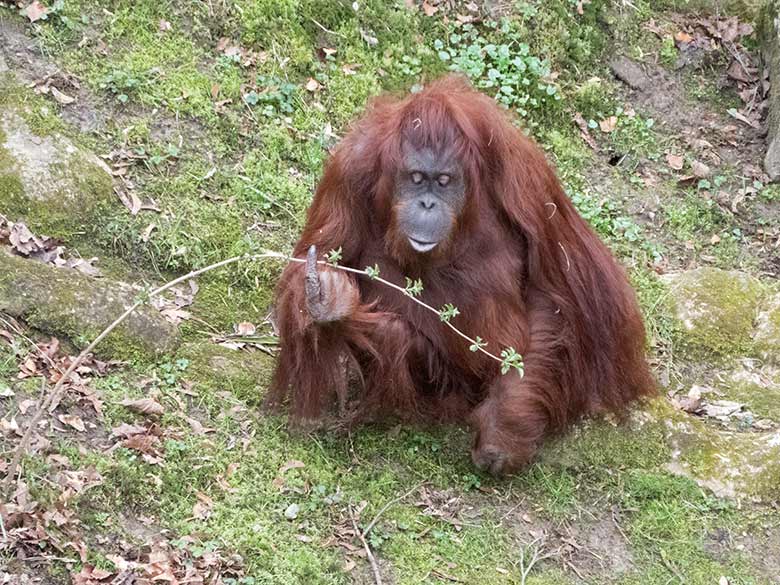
(760, 398)
(718, 309)
(701, 87)
(514, 76)
(693, 216)
(38, 112)
(668, 52)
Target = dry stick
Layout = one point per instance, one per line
(388, 504)
(525, 570)
(54, 394)
(369, 554)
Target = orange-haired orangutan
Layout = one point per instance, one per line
(441, 186)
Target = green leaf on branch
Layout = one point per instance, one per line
(511, 359)
(372, 271)
(334, 256)
(478, 344)
(448, 311)
(413, 287)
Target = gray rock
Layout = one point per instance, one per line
(64, 302)
(767, 331)
(48, 180)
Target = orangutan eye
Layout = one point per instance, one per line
(443, 180)
(417, 177)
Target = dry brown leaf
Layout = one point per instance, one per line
(608, 124)
(245, 328)
(144, 406)
(292, 464)
(143, 443)
(36, 11)
(135, 204)
(675, 161)
(61, 98)
(73, 421)
(202, 508)
(125, 430)
(682, 37)
(428, 9)
(700, 170)
(175, 316)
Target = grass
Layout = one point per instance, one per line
(229, 144)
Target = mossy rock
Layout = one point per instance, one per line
(55, 186)
(731, 464)
(758, 388)
(246, 375)
(716, 309)
(62, 301)
(767, 332)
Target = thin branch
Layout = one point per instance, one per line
(387, 506)
(369, 554)
(525, 569)
(402, 290)
(54, 395)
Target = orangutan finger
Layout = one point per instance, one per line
(312, 285)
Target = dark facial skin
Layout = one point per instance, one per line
(431, 193)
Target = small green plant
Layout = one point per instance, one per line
(123, 84)
(768, 193)
(170, 373)
(507, 70)
(471, 482)
(274, 96)
(668, 52)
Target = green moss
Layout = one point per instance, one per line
(38, 112)
(760, 393)
(64, 302)
(60, 197)
(214, 367)
(716, 309)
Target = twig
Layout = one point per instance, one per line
(569, 564)
(54, 395)
(369, 554)
(413, 298)
(387, 506)
(2, 529)
(327, 30)
(525, 570)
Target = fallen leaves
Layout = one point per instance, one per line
(25, 243)
(675, 161)
(147, 406)
(72, 420)
(202, 508)
(36, 11)
(609, 124)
